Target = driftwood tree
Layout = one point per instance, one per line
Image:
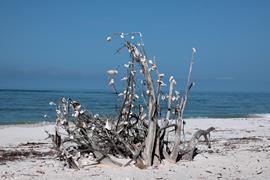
(138, 133)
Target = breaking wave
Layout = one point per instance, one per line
(260, 115)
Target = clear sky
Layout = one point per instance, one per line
(62, 44)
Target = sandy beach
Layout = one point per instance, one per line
(134, 90)
(240, 150)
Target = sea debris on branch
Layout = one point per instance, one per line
(139, 133)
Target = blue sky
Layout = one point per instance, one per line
(62, 44)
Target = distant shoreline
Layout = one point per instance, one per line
(45, 123)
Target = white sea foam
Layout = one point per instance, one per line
(260, 115)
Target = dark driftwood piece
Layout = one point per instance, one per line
(136, 133)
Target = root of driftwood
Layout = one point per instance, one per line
(135, 133)
(190, 152)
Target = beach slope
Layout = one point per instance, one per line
(240, 150)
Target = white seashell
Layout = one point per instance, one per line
(76, 105)
(136, 96)
(161, 75)
(58, 111)
(143, 59)
(52, 103)
(162, 83)
(93, 128)
(71, 137)
(124, 78)
(121, 94)
(107, 125)
(109, 38)
(111, 82)
(76, 113)
(124, 111)
(122, 35)
(63, 100)
(112, 72)
(163, 97)
(82, 111)
(63, 121)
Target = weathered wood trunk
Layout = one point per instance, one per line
(180, 112)
(152, 115)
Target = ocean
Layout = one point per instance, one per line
(32, 106)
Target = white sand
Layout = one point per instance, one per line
(227, 159)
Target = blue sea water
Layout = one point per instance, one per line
(32, 106)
